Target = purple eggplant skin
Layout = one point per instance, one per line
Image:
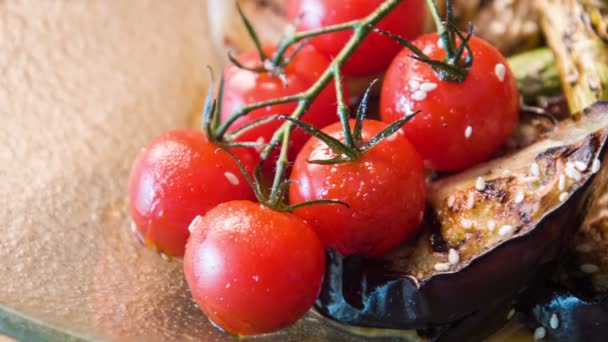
(376, 293)
(579, 318)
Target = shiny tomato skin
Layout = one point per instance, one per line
(244, 87)
(177, 176)
(253, 270)
(376, 53)
(385, 190)
(439, 132)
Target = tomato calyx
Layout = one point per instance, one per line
(273, 197)
(353, 146)
(458, 54)
(274, 64)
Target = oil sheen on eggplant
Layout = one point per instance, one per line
(500, 232)
(573, 305)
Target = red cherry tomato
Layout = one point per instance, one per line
(460, 124)
(385, 190)
(177, 176)
(251, 269)
(376, 53)
(244, 87)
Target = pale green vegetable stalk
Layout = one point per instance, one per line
(576, 32)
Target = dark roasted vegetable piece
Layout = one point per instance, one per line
(483, 240)
(573, 306)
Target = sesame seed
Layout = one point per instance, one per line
(491, 225)
(581, 166)
(428, 86)
(595, 167)
(511, 314)
(194, 222)
(535, 169)
(530, 179)
(506, 173)
(519, 196)
(563, 196)
(554, 322)
(505, 230)
(231, 178)
(589, 268)
(572, 172)
(584, 248)
(480, 184)
(500, 70)
(471, 200)
(468, 132)
(414, 85)
(466, 223)
(561, 185)
(451, 201)
(453, 256)
(539, 333)
(419, 95)
(442, 266)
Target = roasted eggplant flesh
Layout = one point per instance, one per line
(488, 231)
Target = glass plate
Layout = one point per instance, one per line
(84, 85)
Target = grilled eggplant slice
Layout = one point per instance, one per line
(488, 231)
(574, 306)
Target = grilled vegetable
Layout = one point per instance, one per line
(573, 306)
(489, 231)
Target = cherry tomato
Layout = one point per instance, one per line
(385, 190)
(175, 177)
(460, 124)
(251, 269)
(376, 53)
(244, 87)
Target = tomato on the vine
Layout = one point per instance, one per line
(385, 189)
(252, 269)
(459, 124)
(177, 176)
(243, 87)
(377, 51)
